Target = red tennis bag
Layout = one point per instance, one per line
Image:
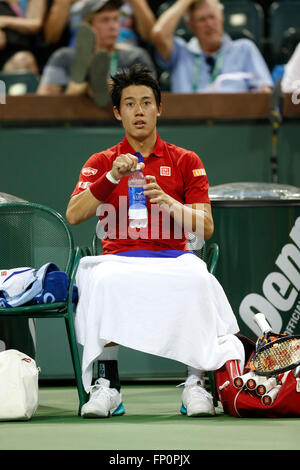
(242, 402)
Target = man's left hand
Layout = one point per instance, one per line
(155, 193)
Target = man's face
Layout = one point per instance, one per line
(206, 23)
(138, 111)
(106, 24)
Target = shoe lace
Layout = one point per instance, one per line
(98, 388)
(196, 389)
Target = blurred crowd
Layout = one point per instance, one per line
(73, 46)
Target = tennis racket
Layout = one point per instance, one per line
(271, 396)
(265, 387)
(255, 381)
(275, 353)
(240, 380)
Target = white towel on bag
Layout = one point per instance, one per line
(169, 307)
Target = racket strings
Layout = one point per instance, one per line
(263, 340)
(278, 356)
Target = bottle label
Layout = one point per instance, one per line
(136, 197)
(138, 214)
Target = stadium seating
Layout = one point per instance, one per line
(284, 25)
(19, 83)
(244, 19)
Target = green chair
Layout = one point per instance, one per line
(244, 19)
(284, 25)
(27, 82)
(207, 252)
(210, 254)
(33, 235)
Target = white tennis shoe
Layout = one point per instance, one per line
(196, 401)
(103, 402)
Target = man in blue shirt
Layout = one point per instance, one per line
(211, 61)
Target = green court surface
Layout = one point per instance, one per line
(152, 421)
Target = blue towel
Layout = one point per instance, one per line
(35, 286)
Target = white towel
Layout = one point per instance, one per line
(169, 307)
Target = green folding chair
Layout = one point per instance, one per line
(26, 82)
(33, 235)
(244, 19)
(284, 26)
(209, 253)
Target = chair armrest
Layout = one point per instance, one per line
(85, 251)
(212, 257)
(76, 258)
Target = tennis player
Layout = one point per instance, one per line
(147, 291)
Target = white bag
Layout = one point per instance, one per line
(18, 386)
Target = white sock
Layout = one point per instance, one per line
(109, 354)
(195, 375)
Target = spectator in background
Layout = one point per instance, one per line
(155, 5)
(56, 31)
(18, 30)
(211, 61)
(85, 69)
(291, 76)
(22, 61)
(136, 20)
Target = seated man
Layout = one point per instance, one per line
(147, 291)
(85, 68)
(211, 61)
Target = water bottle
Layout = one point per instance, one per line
(137, 213)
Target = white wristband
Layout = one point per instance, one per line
(111, 179)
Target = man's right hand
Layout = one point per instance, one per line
(163, 31)
(124, 165)
(84, 205)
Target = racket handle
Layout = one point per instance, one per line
(265, 387)
(269, 397)
(296, 371)
(262, 323)
(240, 380)
(255, 381)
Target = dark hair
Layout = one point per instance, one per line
(136, 75)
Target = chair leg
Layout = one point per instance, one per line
(212, 387)
(83, 396)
